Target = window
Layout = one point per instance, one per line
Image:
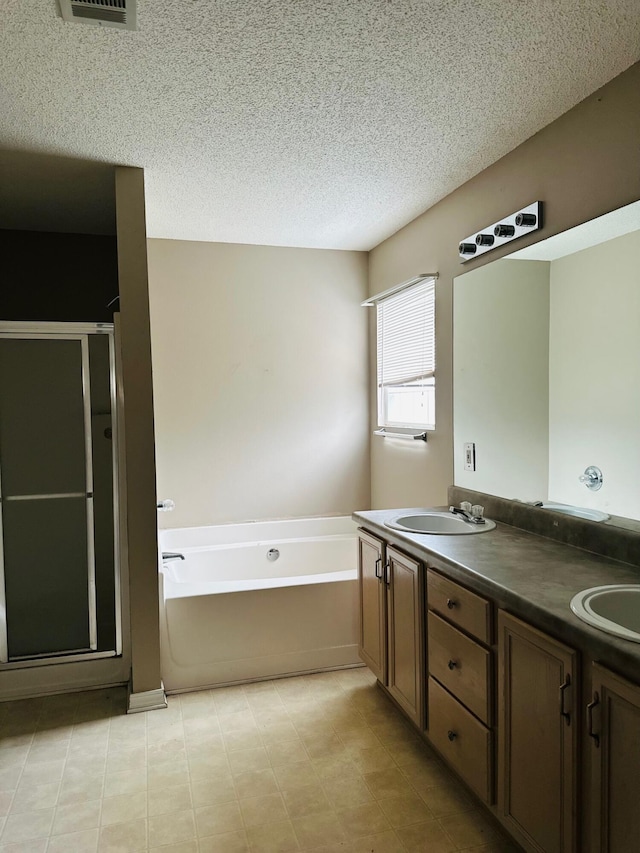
(406, 357)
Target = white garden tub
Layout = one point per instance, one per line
(231, 613)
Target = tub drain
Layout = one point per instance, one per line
(273, 554)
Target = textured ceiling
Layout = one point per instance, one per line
(303, 122)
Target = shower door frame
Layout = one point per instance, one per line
(26, 330)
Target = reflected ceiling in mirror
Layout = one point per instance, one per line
(546, 351)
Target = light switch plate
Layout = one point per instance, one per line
(469, 456)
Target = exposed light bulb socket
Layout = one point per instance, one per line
(485, 240)
(503, 230)
(526, 220)
(467, 248)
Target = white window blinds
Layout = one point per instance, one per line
(406, 358)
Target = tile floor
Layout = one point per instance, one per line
(319, 763)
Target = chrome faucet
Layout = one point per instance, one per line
(168, 555)
(472, 519)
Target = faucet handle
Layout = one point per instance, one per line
(466, 506)
(477, 511)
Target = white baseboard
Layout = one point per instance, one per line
(147, 700)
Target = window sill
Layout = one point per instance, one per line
(391, 433)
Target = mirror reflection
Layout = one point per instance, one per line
(547, 369)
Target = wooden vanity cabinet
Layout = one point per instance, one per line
(535, 711)
(372, 642)
(405, 634)
(613, 729)
(460, 685)
(537, 737)
(391, 640)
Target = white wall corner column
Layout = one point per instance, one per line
(146, 700)
(139, 448)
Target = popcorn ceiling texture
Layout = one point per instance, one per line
(303, 122)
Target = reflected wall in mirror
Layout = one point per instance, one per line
(546, 350)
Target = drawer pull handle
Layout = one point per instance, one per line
(379, 568)
(590, 707)
(451, 735)
(452, 664)
(451, 603)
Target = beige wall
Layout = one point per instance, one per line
(501, 378)
(260, 381)
(581, 166)
(594, 375)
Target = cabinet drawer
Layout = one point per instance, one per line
(461, 665)
(463, 741)
(460, 606)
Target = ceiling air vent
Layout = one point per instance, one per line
(102, 13)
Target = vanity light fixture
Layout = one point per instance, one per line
(508, 228)
(526, 220)
(467, 248)
(503, 230)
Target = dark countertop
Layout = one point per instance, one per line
(532, 577)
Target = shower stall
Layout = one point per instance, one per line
(59, 555)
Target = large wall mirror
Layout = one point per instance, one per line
(547, 369)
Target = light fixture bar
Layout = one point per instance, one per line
(423, 276)
(504, 231)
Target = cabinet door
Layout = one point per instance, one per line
(613, 722)
(372, 641)
(405, 636)
(537, 746)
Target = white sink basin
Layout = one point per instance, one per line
(578, 511)
(614, 609)
(437, 522)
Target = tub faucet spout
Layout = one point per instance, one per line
(168, 555)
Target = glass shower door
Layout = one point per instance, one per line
(48, 563)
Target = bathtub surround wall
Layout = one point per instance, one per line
(260, 381)
(581, 166)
